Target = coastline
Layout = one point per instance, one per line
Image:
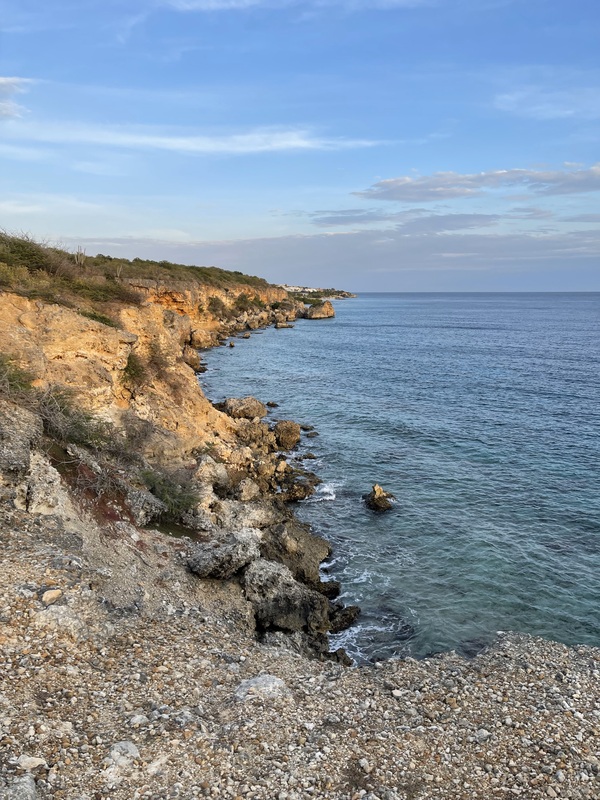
(125, 676)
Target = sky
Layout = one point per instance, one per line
(369, 145)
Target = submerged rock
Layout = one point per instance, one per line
(320, 311)
(378, 499)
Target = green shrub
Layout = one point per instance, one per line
(217, 307)
(175, 489)
(64, 422)
(100, 318)
(15, 383)
(135, 373)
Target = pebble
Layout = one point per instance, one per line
(109, 703)
(51, 596)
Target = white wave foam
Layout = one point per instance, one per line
(326, 493)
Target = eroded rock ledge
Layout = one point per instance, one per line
(223, 472)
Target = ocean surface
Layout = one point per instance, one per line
(481, 414)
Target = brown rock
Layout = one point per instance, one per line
(343, 617)
(293, 544)
(51, 596)
(320, 311)
(244, 407)
(287, 434)
(191, 357)
(378, 499)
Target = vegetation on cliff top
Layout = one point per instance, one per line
(39, 271)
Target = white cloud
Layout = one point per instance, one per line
(8, 88)
(260, 140)
(19, 207)
(450, 185)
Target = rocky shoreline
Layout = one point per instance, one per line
(139, 665)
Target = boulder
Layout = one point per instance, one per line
(223, 559)
(256, 435)
(320, 311)
(298, 484)
(378, 499)
(212, 472)
(293, 544)
(20, 429)
(22, 788)
(191, 357)
(343, 617)
(247, 490)
(281, 602)
(244, 407)
(144, 506)
(287, 434)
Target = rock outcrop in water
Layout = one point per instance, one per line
(320, 311)
(378, 499)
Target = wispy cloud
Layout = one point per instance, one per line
(451, 185)
(414, 221)
(536, 102)
(240, 5)
(258, 140)
(8, 88)
(594, 218)
(352, 216)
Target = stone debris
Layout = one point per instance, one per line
(177, 698)
(264, 687)
(223, 559)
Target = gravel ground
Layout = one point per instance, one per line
(102, 703)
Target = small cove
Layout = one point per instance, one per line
(480, 413)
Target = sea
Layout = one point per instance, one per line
(481, 414)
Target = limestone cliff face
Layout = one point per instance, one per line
(205, 306)
(93, 360)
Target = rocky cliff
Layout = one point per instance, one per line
(115, 417)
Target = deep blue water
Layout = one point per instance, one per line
(481, 413)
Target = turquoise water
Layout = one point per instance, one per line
(481, 413)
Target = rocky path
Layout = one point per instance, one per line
(98, 703)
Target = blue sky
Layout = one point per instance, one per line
(393, 145)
